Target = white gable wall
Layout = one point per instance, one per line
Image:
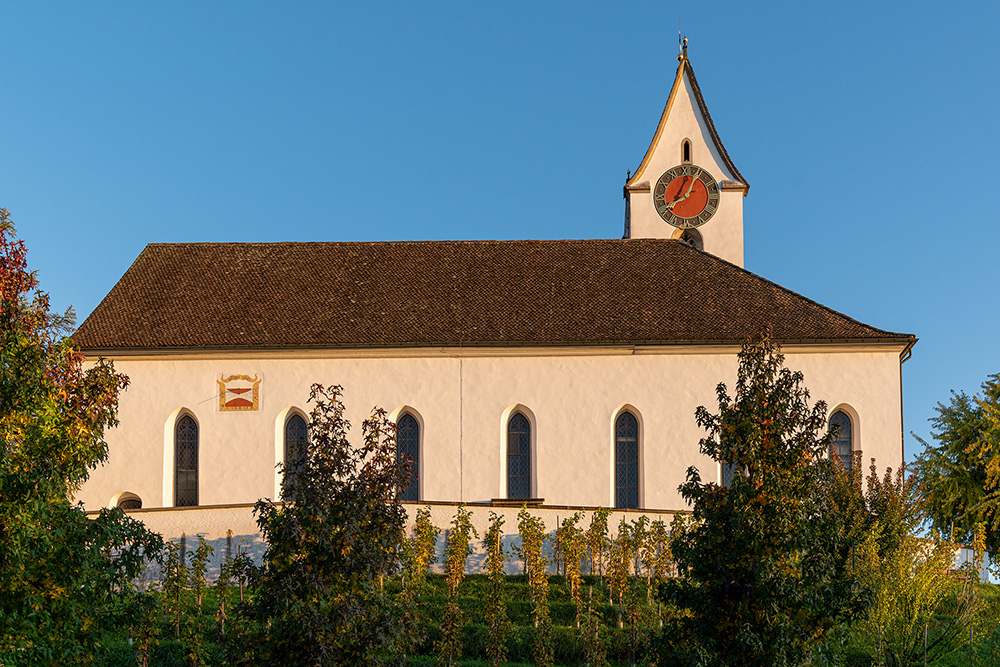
(723, 233)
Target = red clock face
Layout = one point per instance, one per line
(686, 196)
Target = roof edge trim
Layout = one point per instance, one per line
(143, 351)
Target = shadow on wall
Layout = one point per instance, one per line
(223, 548)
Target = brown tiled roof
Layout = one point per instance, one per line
(635, 291)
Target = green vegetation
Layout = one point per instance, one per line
(764, 567)
(790, 565)
(959, 475)
(568, 645)
(319, 596)
(65, 579)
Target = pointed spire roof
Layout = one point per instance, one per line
(684, 68)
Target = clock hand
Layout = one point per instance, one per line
(690, 187)
(687, 194)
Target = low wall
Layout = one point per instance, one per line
(215, 523)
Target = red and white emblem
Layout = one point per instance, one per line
(238, 392)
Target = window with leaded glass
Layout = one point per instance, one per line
(626, 461)
(186, 462)
(296, 437)
(408, 452)
(842, 443)
(727, 472)
(130, 501)
(518, 457)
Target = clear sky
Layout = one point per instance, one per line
(868, 132)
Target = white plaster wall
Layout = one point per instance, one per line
(461, 397)
(723, 234)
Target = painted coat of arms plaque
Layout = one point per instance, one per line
(238, 392)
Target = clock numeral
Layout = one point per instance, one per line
(709, 209)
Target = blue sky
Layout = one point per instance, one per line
(868, 133)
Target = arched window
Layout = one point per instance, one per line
(842, 443)
(692, 237)
(129, 501)
(296, 437)
(685, 151)
(186, 462)
(626, 461)
(518, 457)
(408, 451)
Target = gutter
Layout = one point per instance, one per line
(903, 358)
(140, 350)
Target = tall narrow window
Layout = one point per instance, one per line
(842, 442)
(408, 451)
(296, 437)
(685, 151)
(186, 462)
(727, 472)
(626, 461)
(518, 457)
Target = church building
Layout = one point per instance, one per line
(561, 373)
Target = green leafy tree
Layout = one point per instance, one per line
(223, 585)
(573, 546)
(916, 593)
(65, 579)
(619, 566)
(495, 607)
(194, 627)
(959, 474)
(174, 585)
(459, 547)
(597, 539)
(418, 552)
(319, 591)
(532, 530)
(764, 565)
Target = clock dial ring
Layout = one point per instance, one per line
(686, 196)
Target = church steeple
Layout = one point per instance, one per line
(686, 185)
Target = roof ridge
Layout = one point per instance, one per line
(395, 242)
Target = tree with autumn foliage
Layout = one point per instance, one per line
(65, 579)
(764, 565)
(320, 593)
(959, 473)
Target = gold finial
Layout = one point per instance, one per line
(684, 48)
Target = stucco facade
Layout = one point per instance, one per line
(462, 400)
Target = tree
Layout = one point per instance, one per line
(495, 607)
(764, 565)
(449, 646)
(532, 552)
(959, 474)
(319, 592)
(63, 576)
